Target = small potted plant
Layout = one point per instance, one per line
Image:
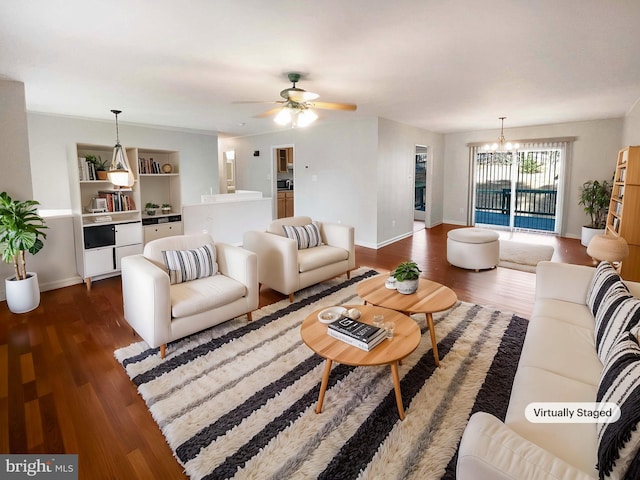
(166, 208)
(150, 207)
(595, 197)
(100, 165)
(21, 231)
(406, 275)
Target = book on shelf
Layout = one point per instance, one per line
(356, 329)
(118, 200)
(147, 166)
(362, 345)
(86, 170)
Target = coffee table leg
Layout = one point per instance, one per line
(323, 385)
(434, 342)
(396, 388)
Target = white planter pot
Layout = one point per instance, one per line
(407, 287)
(588, 234)
(22, 295)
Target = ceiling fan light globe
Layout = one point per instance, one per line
(283, 117)
(306, 118)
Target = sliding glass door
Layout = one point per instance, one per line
(518, 190)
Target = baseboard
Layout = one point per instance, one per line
(65, 282)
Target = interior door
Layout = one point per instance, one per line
(420, 179)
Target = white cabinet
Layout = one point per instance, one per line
(128, 233)
(98, 261)
(152, 232)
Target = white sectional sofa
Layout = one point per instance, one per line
(559, 363)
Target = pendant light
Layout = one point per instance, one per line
(502, 145)
(119, 173)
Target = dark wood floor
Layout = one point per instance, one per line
(62, 391)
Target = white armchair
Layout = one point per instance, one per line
(161, 312)
(287, 269)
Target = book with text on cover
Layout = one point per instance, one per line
(355, 329)
(358, 343)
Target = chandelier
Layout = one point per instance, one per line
(502, 145)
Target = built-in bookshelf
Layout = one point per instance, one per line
(111, 222)
(623, 218)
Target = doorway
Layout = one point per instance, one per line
(420, 188)
(283, 168)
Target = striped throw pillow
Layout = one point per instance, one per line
(619, 442)
(307, 236)
(605, 281)
(186, 265)
(618, 313)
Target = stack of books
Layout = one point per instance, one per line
(356, 333)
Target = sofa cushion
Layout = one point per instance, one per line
(575, 443)
(619, 442)
(605, 281)
(307, 236)
(187, 265)
(563, 348)
(317, 257)
(204, 294)
(618, 313)
(568, 312)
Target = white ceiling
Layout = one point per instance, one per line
(445, 66)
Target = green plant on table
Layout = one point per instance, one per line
(20, 231)
(406, 271)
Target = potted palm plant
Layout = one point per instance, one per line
(21, 231)
(406, 275)
(594, 197)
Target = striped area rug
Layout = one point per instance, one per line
(238, 400)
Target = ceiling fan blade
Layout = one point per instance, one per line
(333, 106)
(256, 101)
(268, 113)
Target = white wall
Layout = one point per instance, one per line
(14, 141)
(354, 172)
(594, 158)
(51, 135)
(631, 135)
(396, 183)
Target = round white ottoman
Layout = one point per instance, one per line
(473, 248)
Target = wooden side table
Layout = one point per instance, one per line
(431, 297)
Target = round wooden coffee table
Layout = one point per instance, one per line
(406, 338)
(431, 297)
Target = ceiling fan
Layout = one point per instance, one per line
(296, 107)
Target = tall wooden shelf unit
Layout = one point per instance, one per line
(103, 238)
(623, 218)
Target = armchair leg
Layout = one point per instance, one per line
(163, 350)
(249, 316)
(348, 274)
(291, 297)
